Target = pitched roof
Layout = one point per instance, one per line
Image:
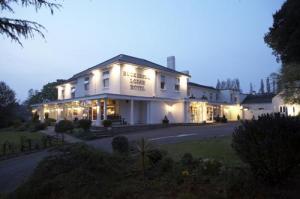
(258, 99)
(129, 59)
(201, 86)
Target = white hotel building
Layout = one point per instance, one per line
(133, 91)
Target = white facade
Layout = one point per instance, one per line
(130, 90)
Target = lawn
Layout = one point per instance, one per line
(216, 148)
(14, 137)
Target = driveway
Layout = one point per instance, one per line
(15, 171)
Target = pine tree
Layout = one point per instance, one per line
(251, 88)
(218, 84)
(268, 85)
(262, 87)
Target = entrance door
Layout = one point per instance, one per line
(210, 114)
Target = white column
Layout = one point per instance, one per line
(148, 112)
(105, 109)
(131, 112)
(98, 121)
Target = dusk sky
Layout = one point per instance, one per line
(213, 39)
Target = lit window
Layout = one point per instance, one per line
(86, 83)
(73, 89)
(105, 76)
(162, 82)
(177, 83)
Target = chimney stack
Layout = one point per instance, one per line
(171, 62)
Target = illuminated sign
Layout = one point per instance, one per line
(137, 81)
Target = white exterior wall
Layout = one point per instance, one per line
(256, 110)
(292, 109)
(198, 92)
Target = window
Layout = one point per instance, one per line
(63, 94)
(86, 83)
(162, 82)
(177, 83)
(105, 76)
(210, 96)
(73, 89)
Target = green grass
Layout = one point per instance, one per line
(216, 148)
(14, 137)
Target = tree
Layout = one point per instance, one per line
(284, 38)
(17, 28)
(262, 87)
(251, 88)
(268, 85)
(7, 105)
(218, 84)
(48, 93)
(237, 83)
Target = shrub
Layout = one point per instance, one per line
(211, 167)
(217, 118)
(224, 119)
(270, 145)
(165, 120)
(64, 126)
(35, 117)
(107, 123)
(49, 121)
(167, 164)
(39, 126)
(187, 159)
(155, 156)
(238, 117)
(85, 124)
(120, 144)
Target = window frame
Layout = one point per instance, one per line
(87, 83)
(162, 82)
(177, 84)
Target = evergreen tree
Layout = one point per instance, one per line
(262, 87)
(251, 88)
(7, 105)
(218, 84)
(268, 85)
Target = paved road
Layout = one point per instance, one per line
(15, 171)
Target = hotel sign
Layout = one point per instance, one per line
(137, 81)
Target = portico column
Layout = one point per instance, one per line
(98, 121)
(131, 112)
(105, 109)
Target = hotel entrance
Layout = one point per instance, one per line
(197, 112)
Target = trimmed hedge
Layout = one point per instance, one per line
(120, 144)
(64, 126)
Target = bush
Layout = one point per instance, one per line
(165, 120)
(120, 144)
(270, 145)
(64, 126)
(107, 123)
(187, 159)
(211, 167)
(49, 121)
(224, 119)
(155, 156)
(85, 124)
(39, 126)
(217, 118)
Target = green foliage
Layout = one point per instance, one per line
(211, 166)
(37, 126)
(85, 124)
(49, 121)
(82, 134)
(107, 123)
(270, 145)
(224, 119)
(284, 36)
(187, 159)
(7, 105)
(155, 156)
(48, 93)
(64, 126)
(120, 144)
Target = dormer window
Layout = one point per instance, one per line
(177, 84)
(86, 83)
(162, 82)
(73, 90)
(105, 76)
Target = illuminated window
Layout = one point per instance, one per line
(177, 84)
(94, 112)
(86, 83)
(105, 76)
(73, 89)
(163, 82)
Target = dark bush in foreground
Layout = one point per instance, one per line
(85, 124)
(64, 126)
(50, 121)
(120, 144)
(270, 145)
(107, 123)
